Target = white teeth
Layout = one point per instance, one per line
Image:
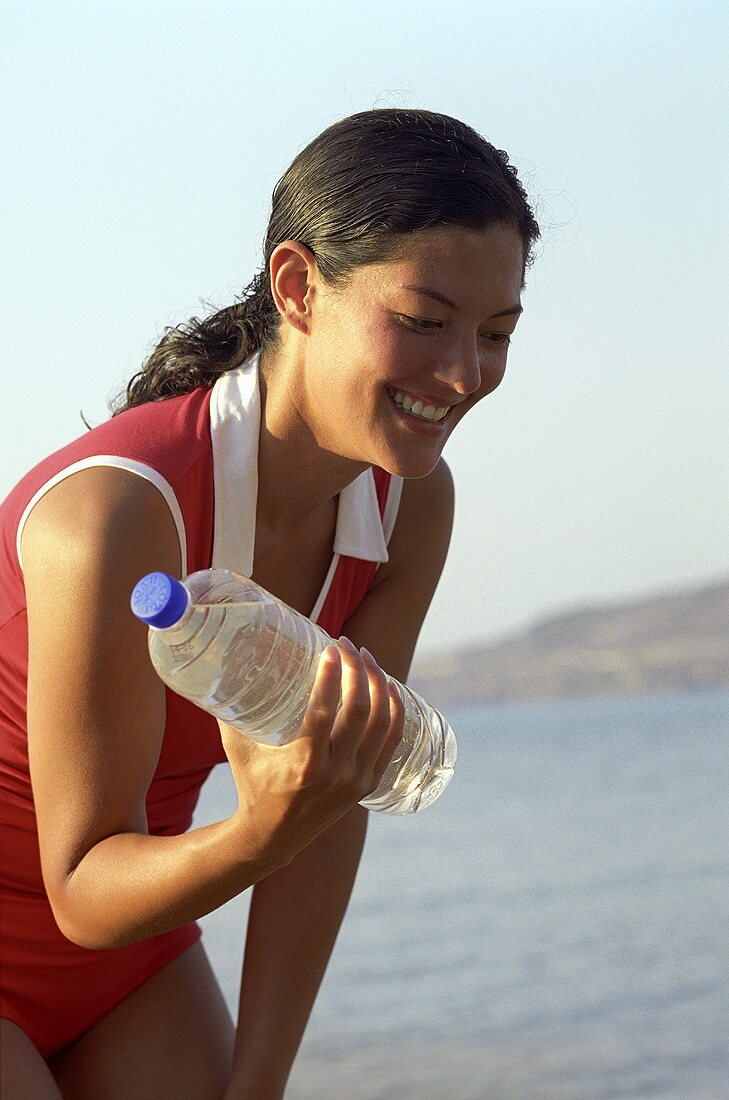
(417, 408)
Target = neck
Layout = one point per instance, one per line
(297, 472)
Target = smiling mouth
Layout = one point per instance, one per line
(417, 408)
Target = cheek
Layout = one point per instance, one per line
(492, 375)
(362, 337)
(381, 341)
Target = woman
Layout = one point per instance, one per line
(295, 437)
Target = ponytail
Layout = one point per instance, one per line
(197, 352)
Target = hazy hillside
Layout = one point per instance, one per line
(668, 643)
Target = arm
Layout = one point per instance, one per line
(96, 717)
(297, 911)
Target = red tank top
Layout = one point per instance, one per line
(201, 452)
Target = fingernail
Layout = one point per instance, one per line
(346, 642)
(367, 655)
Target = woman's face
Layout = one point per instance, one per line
(432, 325)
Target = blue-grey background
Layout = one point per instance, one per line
(553, 928)
(141, 145)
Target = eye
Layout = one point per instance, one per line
(425, 324)
(419, 324)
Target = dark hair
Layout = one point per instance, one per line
(351, 195)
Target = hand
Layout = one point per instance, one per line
(289, 794)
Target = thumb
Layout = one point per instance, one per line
(236, 746)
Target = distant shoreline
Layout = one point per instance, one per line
(669, 644)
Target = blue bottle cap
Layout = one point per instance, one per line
(159, 600)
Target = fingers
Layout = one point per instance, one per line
(364, 722)
(380, 717)
(395, 732)
(352, 720)
(324, 698)
(364, 732)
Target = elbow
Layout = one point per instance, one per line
(81, 932)
(79, 924)
(81, 938)
(93, 939)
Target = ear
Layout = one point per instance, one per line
(293, 283)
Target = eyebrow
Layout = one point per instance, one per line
(430, 293)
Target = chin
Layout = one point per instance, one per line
(412, 468)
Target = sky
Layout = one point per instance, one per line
(141, 151)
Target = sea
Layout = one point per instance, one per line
(555, 927)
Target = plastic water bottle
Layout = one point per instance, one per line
(236, 651)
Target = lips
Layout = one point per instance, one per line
(427, 399)
(421, 407)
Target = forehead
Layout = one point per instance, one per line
(455, 259)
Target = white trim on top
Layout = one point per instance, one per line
(235, 427)
(235, 420)
(359, 532)
(392, 505)
(119, 463)
(321, 598)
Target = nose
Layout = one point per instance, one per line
(461, 371)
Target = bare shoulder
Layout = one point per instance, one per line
(98, 510)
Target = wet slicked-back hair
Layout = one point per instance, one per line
(350, 196)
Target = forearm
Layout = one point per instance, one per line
(294, 920)
(131, 886)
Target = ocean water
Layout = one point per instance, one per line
(555, 927)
